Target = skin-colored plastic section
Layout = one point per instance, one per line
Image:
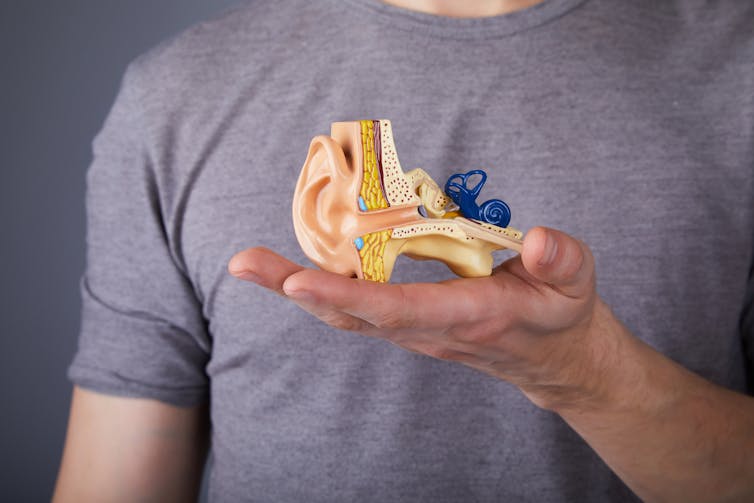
(326, 215)
(328, 221)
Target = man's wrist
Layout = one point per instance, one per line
(602, 370)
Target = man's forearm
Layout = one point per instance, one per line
(668, 433)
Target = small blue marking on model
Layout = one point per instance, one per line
(494, 211)
(362, 206)
(359, 242)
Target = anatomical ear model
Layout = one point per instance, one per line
(355, 210)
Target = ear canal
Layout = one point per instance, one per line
(324, 209)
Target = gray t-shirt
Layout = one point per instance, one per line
(627, 124)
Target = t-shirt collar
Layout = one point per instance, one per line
(467, 28)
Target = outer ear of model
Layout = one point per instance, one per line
(355, 210)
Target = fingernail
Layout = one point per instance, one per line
(248, 276)
(300, 295)
(550, 251)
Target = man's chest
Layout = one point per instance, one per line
(644, 185)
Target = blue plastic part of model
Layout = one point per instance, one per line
(362, 204)
(359, 243)
(494, 211)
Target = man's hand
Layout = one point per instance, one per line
(533, 322)
(537, 322)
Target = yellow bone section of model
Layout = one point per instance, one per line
(372, 253)
(371, 185)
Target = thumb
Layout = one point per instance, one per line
(560, 260)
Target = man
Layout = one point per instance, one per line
(628, 125)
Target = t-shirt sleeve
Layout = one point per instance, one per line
(142, 330)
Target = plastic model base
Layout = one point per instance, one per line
(355, 210)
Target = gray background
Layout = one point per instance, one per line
(60, 69)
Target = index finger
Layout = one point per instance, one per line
(262, 266)
(396, 306)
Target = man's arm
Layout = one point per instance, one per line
(538, 323)
(668, 433)
(126, 449)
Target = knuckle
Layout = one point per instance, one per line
(484, 333)
(399, 317)
(466, 335)
(342, 322)
(390, 321)
(440, 353)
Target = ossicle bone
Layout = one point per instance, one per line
(355, 210)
